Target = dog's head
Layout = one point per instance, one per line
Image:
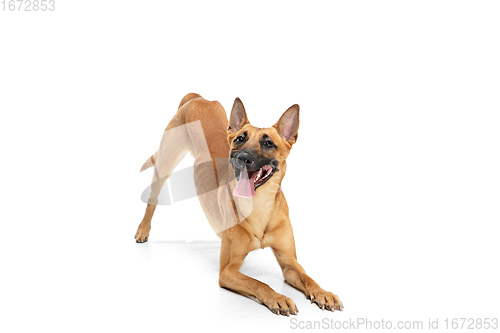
(258, 154)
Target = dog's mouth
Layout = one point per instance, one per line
(248, 181)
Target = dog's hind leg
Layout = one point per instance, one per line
(173, 147)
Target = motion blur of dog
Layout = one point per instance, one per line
(238, 171)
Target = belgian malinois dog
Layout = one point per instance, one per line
(238, 171)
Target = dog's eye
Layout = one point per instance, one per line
(239, 139)
(268, 143)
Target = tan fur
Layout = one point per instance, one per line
(266, 222)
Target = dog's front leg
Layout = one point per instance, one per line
(233, 252)
(295, 275)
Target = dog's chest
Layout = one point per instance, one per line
(262, 212)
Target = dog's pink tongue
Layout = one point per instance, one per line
(245, 187)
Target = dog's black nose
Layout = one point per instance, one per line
(244, 160)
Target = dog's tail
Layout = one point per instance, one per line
(150, 162)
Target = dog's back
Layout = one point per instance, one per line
(213, 120)
(200, 128)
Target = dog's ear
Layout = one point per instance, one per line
(288, 125)
(238, 117)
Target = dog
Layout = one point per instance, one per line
(238, 170)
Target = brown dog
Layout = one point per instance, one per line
(238, 172)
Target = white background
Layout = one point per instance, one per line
(393, 185)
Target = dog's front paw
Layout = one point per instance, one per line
(326, 300)
(281, 305)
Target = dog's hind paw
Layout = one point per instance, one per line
(141, 236)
